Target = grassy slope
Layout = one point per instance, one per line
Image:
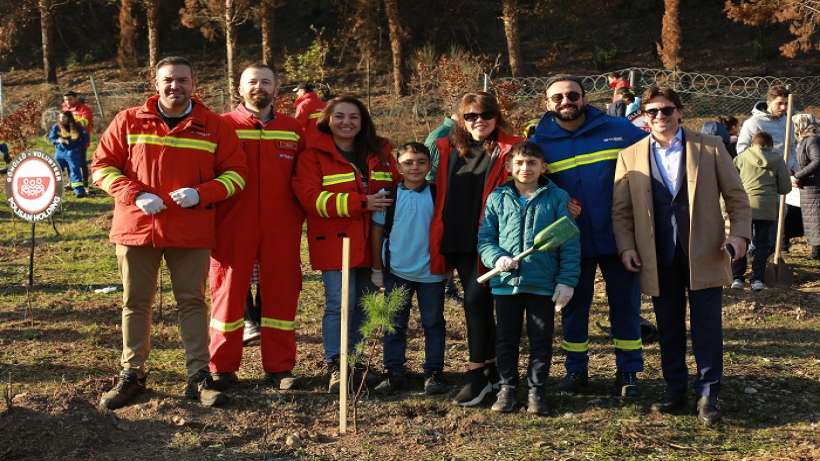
(60, 358)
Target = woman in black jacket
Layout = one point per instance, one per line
(807, 178)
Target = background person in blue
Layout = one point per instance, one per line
(70, 139)
(581, 146)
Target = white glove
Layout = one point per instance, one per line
(185, 197)
(377, 277)
(561, 296)
(149, 203)
(506, 264)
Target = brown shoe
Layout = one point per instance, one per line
(201, 388)
(282, 379)
(129, 385)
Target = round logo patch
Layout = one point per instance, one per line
(34, 186)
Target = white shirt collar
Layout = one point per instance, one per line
(677, 140)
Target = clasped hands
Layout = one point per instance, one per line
(152, 204)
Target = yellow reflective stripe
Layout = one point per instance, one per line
(235, 177)
(76, 183)
(109, 180)
(229, 187)
(315, 115)
(287, 325)
(381, 176)
(331, 179)
(268, 135)
(106, 176)
(321, 203)
(575, 347)
(584, 159)
(341, 205)
(172, 141)
(627, 344)
(249, 134)
(227, 327)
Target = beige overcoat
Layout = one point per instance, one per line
(710, 175)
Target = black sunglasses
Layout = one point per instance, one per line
(472, 116)
(573, 96)
(666, 111)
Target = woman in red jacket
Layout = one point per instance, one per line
(471, 164)
(340, 178)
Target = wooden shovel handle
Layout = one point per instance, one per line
(488, 275)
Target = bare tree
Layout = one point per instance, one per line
(152, 23)
(264, 18)
(669, 46)
(126, 50)
(802, 16)
(230, 44)
(391, 8)
(510, 18)
(47, 37)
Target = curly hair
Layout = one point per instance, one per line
(460, 138)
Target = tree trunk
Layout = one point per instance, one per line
(46, 35)
(669, 46)
(510, 18)
(230, 47)
(266, 16)
(152, 16)
(391, 9)
(126, 52)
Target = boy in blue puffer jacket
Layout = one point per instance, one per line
(538, 284)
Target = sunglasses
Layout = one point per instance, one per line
(472, 116)
(573, 96)
(666, 111)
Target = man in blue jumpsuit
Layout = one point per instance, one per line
(581, 146)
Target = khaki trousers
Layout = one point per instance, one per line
(139, 266)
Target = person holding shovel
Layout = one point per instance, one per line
(535, 285)
(670, 231)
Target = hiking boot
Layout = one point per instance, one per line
(758, 285)
(334, 377)
(626, 384)
(250, 333)
(475, 390)
(505, 400)
(434, 384)
(573, 382)
(201, 387)
(708, 411)
(129, 385)
(669, 403)
(737, 284)
(222, 381)
(393, 382)
(284, 380)
(537, 402)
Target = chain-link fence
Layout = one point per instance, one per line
(703, 95)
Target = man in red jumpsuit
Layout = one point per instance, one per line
(85, 117)
(263, 225)
(309, 106)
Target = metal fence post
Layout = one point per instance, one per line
(632, 78)
(486, 82)
(97, 97)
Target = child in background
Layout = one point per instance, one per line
(401, 235)
(764, 175)
(514, 214)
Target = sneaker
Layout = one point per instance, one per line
(80, 192)
(284, 380)
(222, 381)
(129, 385)
(434, 384)
(250, 333)
(505, 401)
(334, 377)
(201, 387)
(491, 372)
(757, 285)
(537, 402)
(626, 384)
(573, 382)
(737, 284)
(393, 383)
(476, 389)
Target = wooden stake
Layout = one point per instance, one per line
(343, 359)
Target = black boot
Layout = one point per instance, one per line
(670, 403)
(474, 391)
(491, 372)
(505, 402)
(573, 382)
(129, 385)
(626, 384)
(708, 411)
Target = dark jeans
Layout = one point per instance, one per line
(478, 308)
(430, 298)
(707, 332)
(764, 233)
(509, 314)
(253, 308)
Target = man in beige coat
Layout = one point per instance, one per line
(669, 228)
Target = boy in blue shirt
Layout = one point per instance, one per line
(537, 285)
(401, 236)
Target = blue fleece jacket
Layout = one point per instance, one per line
(508, 228)
(583, 164)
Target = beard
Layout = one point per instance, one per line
(568, 117)
(261, 99)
